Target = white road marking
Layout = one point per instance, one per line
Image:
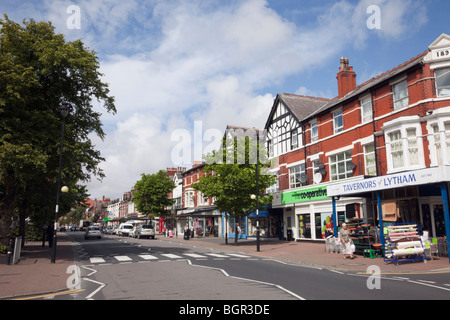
(122, 258)
(171, 256)
(217, 255)
(194, 255)
(147, 257)
(238, 255)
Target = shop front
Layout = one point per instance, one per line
(270, 223)
(419, 197)
(233, 226)
(308, 213)
(205, 222)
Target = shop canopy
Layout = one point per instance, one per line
(436, 175)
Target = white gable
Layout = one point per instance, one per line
(439, 55)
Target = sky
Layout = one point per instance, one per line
(182, 70)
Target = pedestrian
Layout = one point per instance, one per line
(186, 232)
(50, 234)
(346, 242)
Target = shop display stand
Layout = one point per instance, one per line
(403, 244)
(362, 235)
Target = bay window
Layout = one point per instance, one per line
(442, 82)
(404, 144)
(438, 127)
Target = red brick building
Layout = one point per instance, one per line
(198, 212)
(331, 156)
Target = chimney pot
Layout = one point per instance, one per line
(346, 78)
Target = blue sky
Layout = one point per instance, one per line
(172, 64)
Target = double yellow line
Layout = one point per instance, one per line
(51, 294)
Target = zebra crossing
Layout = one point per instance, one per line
(143, 257)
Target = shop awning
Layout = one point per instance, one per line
(390, 181)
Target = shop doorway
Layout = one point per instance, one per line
(304, 226)
(433, 219)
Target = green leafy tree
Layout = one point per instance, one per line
(152, 194)
(38, 71)
(230, 177)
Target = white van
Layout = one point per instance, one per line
(124, 229)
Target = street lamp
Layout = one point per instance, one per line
(255, 197)
(65, 108)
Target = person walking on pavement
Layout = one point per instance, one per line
(346, 242)
(50, 234)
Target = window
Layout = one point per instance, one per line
(447, 139)
(401, 95)
(437, 143)
(369, 160)
(366, 109)
(340, 167)
(270, 147)
(314, 131)
(338, 121)
(443, 82)
(295, 179)
(413, 150)
(296, 138)
(189, 199)
(275, 187)
(404, 146)
(396, 149)
(440, 143)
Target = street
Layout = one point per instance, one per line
(122, 268)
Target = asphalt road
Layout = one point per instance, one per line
(116, 268)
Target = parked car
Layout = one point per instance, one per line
(124, 229)
(132, 232)
(108, 230)
(93, 231)
(145, 231)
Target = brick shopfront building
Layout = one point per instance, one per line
(384, 144)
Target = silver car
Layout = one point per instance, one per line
(93, 231)
(145, 231)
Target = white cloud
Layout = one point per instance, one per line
(170, 63)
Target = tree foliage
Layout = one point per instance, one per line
(152, 193)
(230, 177)
(38, 71)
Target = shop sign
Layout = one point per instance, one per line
(404, 179)
(310, 194)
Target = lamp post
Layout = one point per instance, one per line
(65, 108)
(255, 197)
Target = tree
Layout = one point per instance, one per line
(151, 194)
(230, 177)
(38, 71)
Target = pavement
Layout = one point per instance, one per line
(35, 275)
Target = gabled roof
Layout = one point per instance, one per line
(300, 106)
(237, 131)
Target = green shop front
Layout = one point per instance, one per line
(308, 212)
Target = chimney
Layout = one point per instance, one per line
(346, 78)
